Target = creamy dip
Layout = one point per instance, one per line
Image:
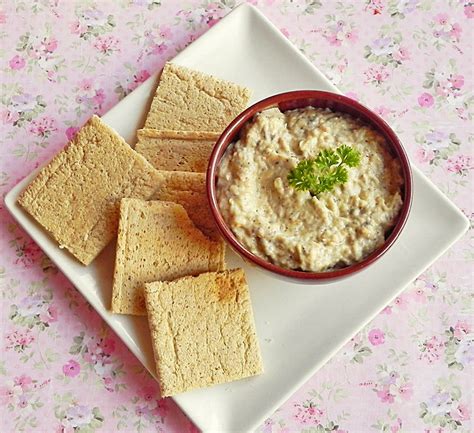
(293, 229)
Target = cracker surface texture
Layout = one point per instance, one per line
(76, 196)
(188, 100)
(157, 242)
(202, 331)
(189, 190)
(176, 150)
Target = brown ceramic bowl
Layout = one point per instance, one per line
(300, 99)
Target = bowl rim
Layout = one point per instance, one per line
(227, 137)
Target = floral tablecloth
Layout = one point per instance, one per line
(63, 370)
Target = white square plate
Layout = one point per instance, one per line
(246, 48)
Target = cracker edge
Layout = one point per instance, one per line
(182, 135)
(117, 280)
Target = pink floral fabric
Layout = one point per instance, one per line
(63, 370)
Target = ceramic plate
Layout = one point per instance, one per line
(299, 326)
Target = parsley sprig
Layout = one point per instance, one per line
(322, 173)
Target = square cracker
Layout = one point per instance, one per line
(157, 242)
(176, 150)
(76, 196)
(189, 190)
(188, 100)
(202, 331)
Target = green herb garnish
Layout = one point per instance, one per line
(322, 173)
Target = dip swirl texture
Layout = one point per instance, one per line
(291, 228)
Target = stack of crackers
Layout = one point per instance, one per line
(169, 258)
